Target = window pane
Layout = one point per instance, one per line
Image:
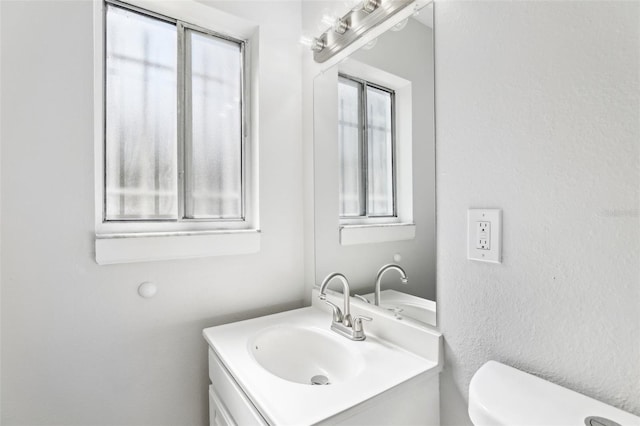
(380, 153)
(214, 148)
(141, 117)
(350, 148)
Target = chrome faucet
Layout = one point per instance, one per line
(343, 317)
(381, 272)
(342, 322)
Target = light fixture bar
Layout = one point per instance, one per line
(355, 24)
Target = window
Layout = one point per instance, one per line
(366, 138)
(174, 124)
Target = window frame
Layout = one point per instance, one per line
(129, 242)
(367, 218)
(182, 224)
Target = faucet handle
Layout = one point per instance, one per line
(337, 313)
(357, 322)
(358, 330)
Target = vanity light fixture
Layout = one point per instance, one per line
(354, 24)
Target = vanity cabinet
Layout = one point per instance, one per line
(415, 402)
(228, 404)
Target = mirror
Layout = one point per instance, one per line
(374, 169)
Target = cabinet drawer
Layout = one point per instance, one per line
(233, 399)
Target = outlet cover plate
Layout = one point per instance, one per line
(474, 250)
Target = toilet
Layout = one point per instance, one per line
(503, 395)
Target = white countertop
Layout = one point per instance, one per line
(282, 402)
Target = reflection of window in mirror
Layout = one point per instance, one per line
(375, 162)
(366, 148)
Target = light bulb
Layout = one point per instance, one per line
(313, 43)
(370, 5)
(328, 20)
(341, 26)
(352, 4)
(306, 41)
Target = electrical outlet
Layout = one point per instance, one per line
(484, 239)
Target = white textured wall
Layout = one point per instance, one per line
(79, 347)
(538, 113)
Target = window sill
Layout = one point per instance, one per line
(130, 248)
(378, 233)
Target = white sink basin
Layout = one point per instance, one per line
(273, 359)
(306, 355)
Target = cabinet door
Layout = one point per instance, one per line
(232, 397)
(218, 414)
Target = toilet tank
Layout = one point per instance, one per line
(503, 395)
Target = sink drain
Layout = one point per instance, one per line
(320, 380)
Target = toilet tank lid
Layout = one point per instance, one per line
(503, 395)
